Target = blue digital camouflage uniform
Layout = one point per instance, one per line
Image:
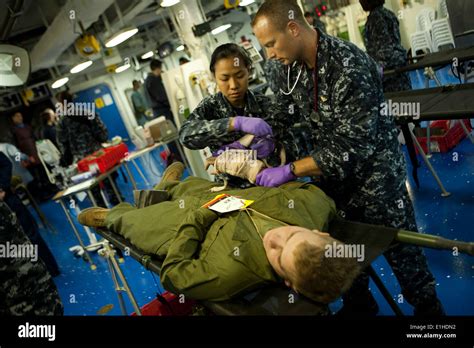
(208, 125)
(383, 44)
(79, 137)
(26, 287)
(357, 150)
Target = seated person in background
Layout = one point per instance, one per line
(215, 256)
(19, 162)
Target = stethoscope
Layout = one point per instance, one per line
(315, 79)
(288, 80)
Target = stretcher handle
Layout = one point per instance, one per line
(435, 242)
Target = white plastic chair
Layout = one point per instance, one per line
(421, 41)
(442, 9)
(442, 36)
(424, 19)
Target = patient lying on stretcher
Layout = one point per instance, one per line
(216, 256)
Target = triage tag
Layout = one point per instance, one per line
(225, 203)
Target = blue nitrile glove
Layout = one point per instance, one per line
(263, 146)
(274, 177)
(252, 125)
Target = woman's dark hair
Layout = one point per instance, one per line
(230, 50)
(370, 5)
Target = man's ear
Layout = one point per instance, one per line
(294, 28)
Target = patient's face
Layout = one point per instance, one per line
(280, 244)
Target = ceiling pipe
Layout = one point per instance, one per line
(14, 13)
(60, 34)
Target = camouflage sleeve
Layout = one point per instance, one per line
(284, 116)
(381, 39)
(356, 111)
(5, 172)
(99, 129)
(26, 287)
(199, 131)
(61, 138)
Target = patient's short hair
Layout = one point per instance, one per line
(320, 278)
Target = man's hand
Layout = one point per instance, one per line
(2, 195)
(251, 125)
(273, 177)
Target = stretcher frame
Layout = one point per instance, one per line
(275, 300)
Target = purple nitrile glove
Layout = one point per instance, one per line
(273, 177)
(232, 146)
(263, 146)
(252, 125)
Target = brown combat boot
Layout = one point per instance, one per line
(174, 172)
(93, 217)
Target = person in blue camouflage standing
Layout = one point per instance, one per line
(221, 119)
(337, 88)
(81, 135)
(383, 44)
(26, 286)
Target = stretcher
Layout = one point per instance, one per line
(458, 55)
(275, 300)
(452, 102)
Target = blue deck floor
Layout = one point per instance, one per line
(85, 292)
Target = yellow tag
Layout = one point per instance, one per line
(99, 102)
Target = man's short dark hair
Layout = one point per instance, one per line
(135, 82)
(307, 14)
(280, 12)
(155, 64)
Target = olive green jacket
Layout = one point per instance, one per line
(211, 256)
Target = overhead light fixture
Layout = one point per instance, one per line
(180, 48)
(169, 3)
(220, 29)
(11, 72)
(244, 3)
(59, 83)
(81, 66)
(148, 55)
(121, 36)
(122, 68)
